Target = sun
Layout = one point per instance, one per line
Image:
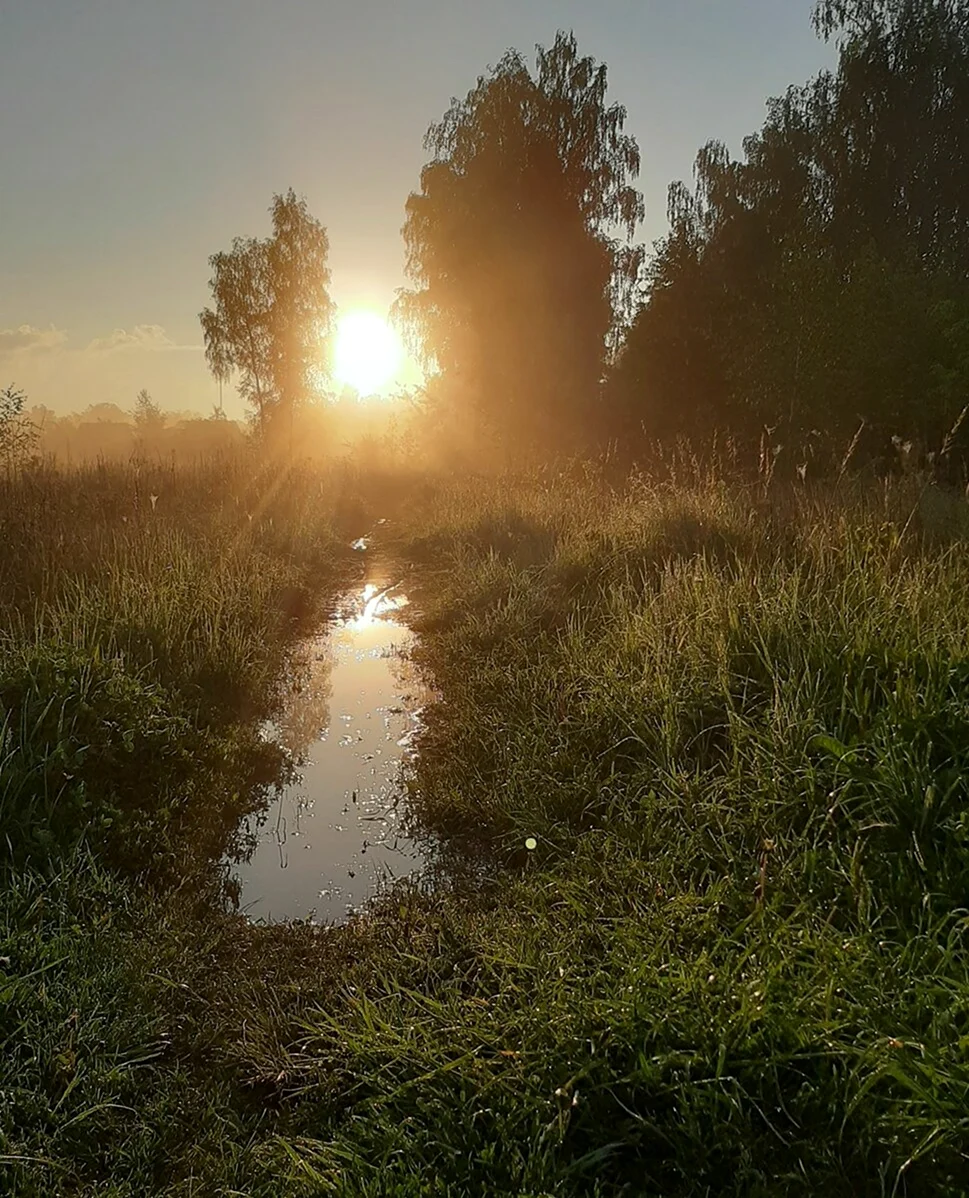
(368, 352)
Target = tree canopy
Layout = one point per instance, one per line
(147, 415)
(823, 278)
(272, 314)
(518, 243)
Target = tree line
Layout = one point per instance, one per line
(814, 286)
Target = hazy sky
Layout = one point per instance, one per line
(140, 136)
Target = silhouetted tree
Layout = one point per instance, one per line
(520, 277)
(147, 415)
(824, 277)
(272, 315)
(103, 413)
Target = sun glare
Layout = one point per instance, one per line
(368, 353)
(375, 603)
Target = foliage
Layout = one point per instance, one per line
(518, 277)
(147, 415)
(272, 315)
(861, 18)
(821, 279)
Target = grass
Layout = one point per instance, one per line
(146, 615)
(142, 638)
(736, 728)
(734, 721)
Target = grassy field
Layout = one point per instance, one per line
(145, 616)
(706, 748)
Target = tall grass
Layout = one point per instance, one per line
(735, 727)
(706, 745)
(144, 613)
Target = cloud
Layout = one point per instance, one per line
(142, 336)
(27, 339)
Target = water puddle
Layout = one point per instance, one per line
(331, 837)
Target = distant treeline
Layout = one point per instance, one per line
(106, 432)
(320, 431)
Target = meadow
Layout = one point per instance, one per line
(145, 615)
(700, 757)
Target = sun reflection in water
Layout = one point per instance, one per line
(375, 601)
(331, 837)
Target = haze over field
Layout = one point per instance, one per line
(148, 135)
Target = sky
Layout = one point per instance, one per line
(140, 137)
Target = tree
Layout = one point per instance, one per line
(518, 243)
(861, 18)
(103, 413)
(822, 278)
(147, 415)
(272, 316)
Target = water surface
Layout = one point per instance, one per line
(331, 837)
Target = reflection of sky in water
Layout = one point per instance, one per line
(329, 839)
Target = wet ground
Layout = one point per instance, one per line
(331, 838)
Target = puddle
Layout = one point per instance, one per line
(330, 838)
